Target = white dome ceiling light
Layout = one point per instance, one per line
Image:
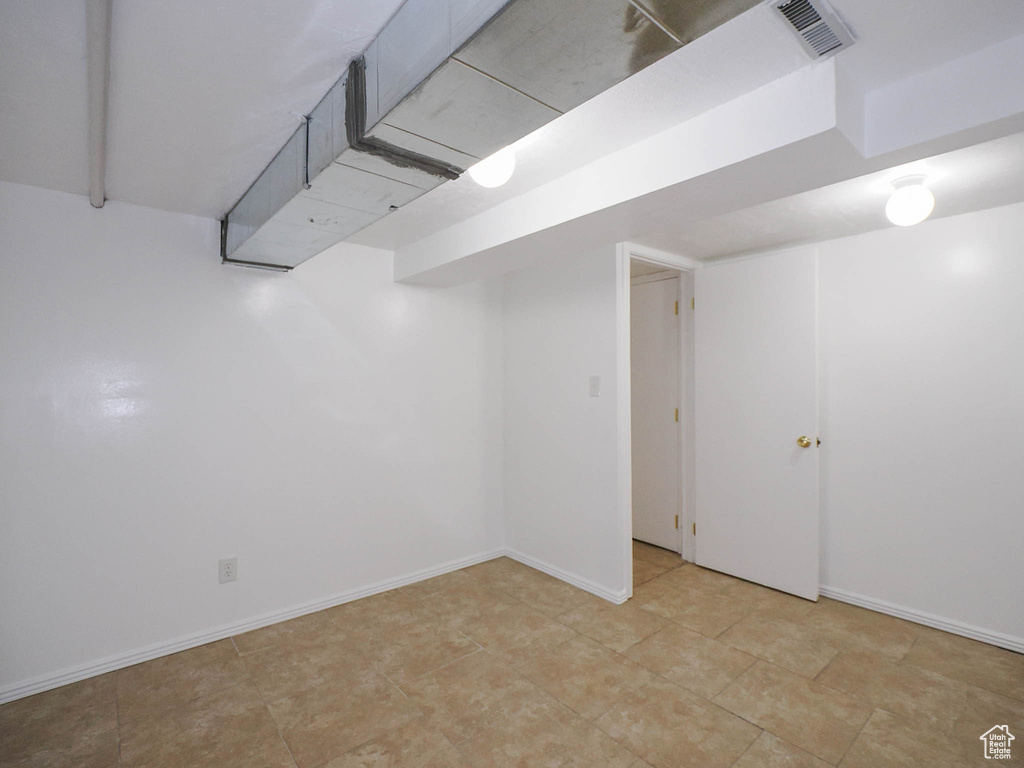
(911, 202)
(495, 170)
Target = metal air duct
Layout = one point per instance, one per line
(445, 84)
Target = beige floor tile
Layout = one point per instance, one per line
(536, 691)
(650, 590)
(324, 722)
(687, 658)
(961, 658)
(983, 709)
(912, 693)
(545, 593)
(228, 729)
(412, 651)
(817, 719)
(704, 610)
(794, 645)
(414, 745)
(770, 751)
(542, 732)
(314, 628)
(471, 694)
(769, 602)
(99, 750)
(453, 580)
(644, 571)
(614, 626)
(584, 675)
(497, 572)
(284, 670)
(378, 614)
(672, 728)
(772, 604)
(538, 590)
(72, 725)
(889, 742)
(859, 629)
(174, 680)
(656, 555)
(518, 633)
(458, 603)
(691, 576)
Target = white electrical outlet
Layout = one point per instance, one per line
(228, 570)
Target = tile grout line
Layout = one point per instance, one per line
(263, 701)
(479, 649)
(117, 715)
(859, 732)
(512, 667)
(456, 747)
(750, 746)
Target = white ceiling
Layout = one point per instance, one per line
(204, 92)
(899, 38)
(971, 179)
(692, 80)
(895, 39)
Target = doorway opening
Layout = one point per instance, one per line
(661, 304)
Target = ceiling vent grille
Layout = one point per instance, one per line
(821, 32)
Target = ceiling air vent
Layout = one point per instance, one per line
(821, 32)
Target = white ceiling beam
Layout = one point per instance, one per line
(97, 24)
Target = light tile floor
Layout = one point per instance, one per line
(500, 665)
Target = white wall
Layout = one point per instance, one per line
(335, 430)
(922, 416)
(561, 486)
(922, 365)
(159, 411)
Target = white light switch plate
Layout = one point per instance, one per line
(595, 386)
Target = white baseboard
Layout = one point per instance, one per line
(577, 581)
(1009, 642)
(122, 660)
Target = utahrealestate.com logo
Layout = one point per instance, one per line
(997, 742)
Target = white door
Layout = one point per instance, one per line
(655, 377)
(756, 395)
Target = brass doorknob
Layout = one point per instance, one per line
(803, 441)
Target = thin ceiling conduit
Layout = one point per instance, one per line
(97, 25)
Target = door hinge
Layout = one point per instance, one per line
(677, 414)
(693, 303)
(677, 521)
(694, 529)
(677, 307)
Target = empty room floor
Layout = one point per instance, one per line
(501, 665)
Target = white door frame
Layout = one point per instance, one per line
(624, 253)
